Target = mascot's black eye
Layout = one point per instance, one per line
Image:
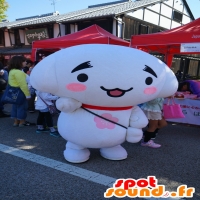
(149, 81)
(82, 77)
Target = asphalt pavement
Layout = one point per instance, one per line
(23, 177)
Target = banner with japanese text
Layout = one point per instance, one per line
(36, 34)
(190, 47)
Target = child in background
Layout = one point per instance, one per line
(153, 111)
(44, 116)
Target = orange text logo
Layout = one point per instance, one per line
(145, 188)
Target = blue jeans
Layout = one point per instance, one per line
(19, 111)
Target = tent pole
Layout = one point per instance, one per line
(168, 59)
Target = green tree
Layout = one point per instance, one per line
(3, 9)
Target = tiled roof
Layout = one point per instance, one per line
(30, 21)
(100, 11)
(114, 9)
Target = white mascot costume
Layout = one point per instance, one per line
(100, 87)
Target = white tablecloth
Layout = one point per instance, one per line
(191, 110)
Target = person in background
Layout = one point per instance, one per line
(184, 87)
(26, 67)
(3, 72)
(153, 111)
(29, 65)
(32, 66)
(178, 75)
(17, 78)
(31, 102)
(6, 67)
(3, 83)
(44, 116)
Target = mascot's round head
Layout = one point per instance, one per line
(104, 75)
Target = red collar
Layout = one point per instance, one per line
(106, 108)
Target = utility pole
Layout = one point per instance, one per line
(54, 3)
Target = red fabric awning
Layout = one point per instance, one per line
(168, 42)
(91, 35)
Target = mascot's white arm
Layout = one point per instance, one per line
(67, 104)
(138, 120)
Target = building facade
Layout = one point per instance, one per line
(121, 18)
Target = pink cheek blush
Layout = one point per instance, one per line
(150, 90)
(76, 87)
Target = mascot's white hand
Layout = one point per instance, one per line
(138, 120)
(133, 135)
(67, 104)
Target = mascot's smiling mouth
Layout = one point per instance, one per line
(115, 92)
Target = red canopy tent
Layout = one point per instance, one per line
(91, 35)
(169, 42)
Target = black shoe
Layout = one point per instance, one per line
(4, 115)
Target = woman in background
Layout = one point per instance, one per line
(17, 78)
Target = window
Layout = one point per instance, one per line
(1, 38)
(17, 38)
(177, 16)
(50, 31)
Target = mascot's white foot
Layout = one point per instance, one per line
(75, 153)
(114, 153)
